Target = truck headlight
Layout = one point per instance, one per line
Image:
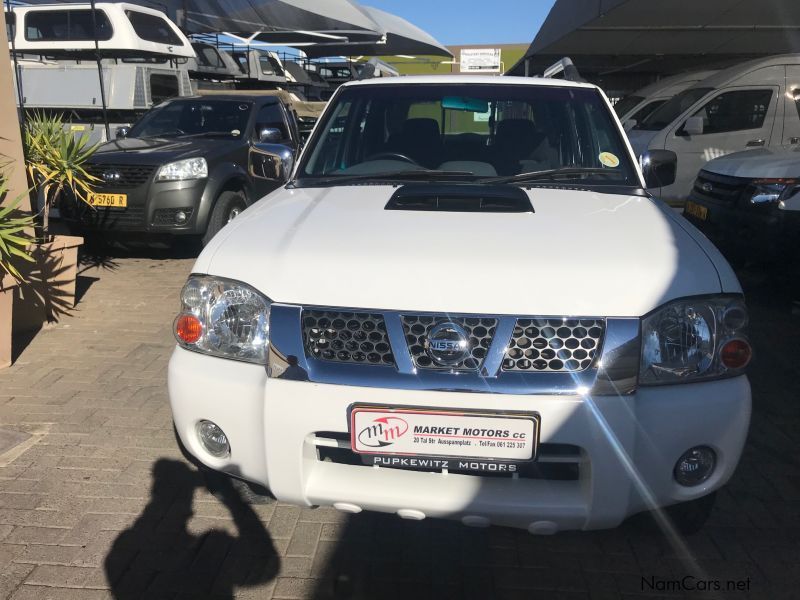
(694, 339)
(182, 170)
(766, 191)
(223, 318)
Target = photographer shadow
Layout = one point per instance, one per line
(159, 557)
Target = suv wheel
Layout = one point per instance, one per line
(229, 205)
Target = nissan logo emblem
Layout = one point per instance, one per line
(447, 344)
(112, 176)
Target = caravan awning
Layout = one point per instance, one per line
(662, 37)
(398, 37)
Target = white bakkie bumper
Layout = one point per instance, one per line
(628, 445)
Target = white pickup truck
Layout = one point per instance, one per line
(463, 304)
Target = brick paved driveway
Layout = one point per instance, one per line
(99, 504)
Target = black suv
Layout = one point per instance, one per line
(189, 166)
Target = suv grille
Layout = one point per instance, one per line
(480, 331)
(120, 176)
(719, 188)
(346, 337)
(553, 344)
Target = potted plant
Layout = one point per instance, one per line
(15, 242)
(56, 161)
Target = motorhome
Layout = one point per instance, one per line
(750, 105)
(635, 107)
(142, 56)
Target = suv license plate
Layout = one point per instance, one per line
(697, 211)
(443, 433)
(108, 200)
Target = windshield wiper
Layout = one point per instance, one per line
(547, 174)
(388, 176)
(210, 133)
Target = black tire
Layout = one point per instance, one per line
(227, 207)
(689, 517)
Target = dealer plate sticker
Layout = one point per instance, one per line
(443, 433)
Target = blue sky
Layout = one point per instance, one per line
(471, 21)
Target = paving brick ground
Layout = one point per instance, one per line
(101, 505)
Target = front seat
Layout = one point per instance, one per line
(419, 139)
(514, 141)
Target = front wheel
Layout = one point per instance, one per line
(228, 206)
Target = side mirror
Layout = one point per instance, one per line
(273, 162)
(658, 167)
(270, 135)
(122, 132)
(693, 126)
(629, 124)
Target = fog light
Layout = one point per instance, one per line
(213, 439)
(695, 466)
(180, 217)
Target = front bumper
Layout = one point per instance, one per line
(740, 229)
(628, 445)
(151, 208)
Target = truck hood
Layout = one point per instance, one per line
(580, 253)
(760, 163)
(153, 151)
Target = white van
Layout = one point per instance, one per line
(750, 105)
(635, 107)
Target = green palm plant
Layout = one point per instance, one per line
(56, 161)
(14, 237)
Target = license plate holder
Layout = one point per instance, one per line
(452, 435)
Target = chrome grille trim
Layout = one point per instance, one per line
(481, 331)
(614, 372)
(565, 344)
(346, 337)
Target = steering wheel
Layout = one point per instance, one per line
(392, 155)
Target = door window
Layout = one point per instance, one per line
(735, 111)
(797, 101)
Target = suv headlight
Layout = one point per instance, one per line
(773, 190)
(223, 318)
(181, 170)
(694, 339)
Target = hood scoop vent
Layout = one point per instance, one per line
(461, 198)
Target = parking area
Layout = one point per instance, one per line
(98, 503)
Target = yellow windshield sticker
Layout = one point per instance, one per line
(607, 159)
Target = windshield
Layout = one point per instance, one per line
(473, 131)
(625, 105)
(194, 117)
(672, 109)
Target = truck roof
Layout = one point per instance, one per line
(469, 79)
